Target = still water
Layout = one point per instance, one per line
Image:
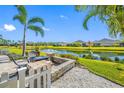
(81, 53)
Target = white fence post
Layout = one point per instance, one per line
(38, 78)
(31, 81)
(35, 79)
(21, 75)
(43, 76)
(49, 78)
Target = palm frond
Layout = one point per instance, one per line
(19, 18)
(36, 20)
(21, 9)
(77, 8)
(114, 26)
(112, 15)
(80, 7)
(91, 14)
(36, 29)
(22, 16)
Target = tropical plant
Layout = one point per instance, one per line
(105, 58)
(29, 24)
(112, 15)
(68, 56)
(76, 44)
(3, 41)
(90, 44)
(116, 59)
(37, 50)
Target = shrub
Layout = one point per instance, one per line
(109, 59)
(37, 49)
(68, 56)
(104, 58)
(89, 56)
(117, 59)
(84, 56)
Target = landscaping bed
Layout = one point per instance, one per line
(58, 70)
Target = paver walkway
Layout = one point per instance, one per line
(82, 78)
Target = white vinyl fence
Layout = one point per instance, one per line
(34, 78)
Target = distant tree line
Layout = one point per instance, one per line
(5, 42)
(75, 44)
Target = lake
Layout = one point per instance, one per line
(111, 55)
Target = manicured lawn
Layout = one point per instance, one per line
(109, 70)
(18, 50)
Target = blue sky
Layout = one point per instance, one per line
(62, 23)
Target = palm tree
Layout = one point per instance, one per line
(28, 24)
(3, 41)
(112, 15)
(1, 37)
(90, 44)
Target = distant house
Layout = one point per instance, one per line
(84, 44)
(105, 42)
(96, 44)
(62, 43)
(121, 44)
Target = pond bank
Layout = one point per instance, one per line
(97, 55)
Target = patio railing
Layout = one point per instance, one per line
(34, 78)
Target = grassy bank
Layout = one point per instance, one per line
(103, 49)
(76, 49)
(94, 49)
(109, 70)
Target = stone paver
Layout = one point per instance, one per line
(82, 78)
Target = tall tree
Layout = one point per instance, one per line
(112, 15)
(28, 24)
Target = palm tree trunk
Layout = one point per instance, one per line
(24, 42)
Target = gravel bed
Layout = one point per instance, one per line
(82, 78)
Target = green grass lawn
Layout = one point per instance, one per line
(110, 70)
(18, 50)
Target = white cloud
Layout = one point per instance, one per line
(63, 17)
(9, 27)
(46, 29)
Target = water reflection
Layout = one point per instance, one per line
(80, 53)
